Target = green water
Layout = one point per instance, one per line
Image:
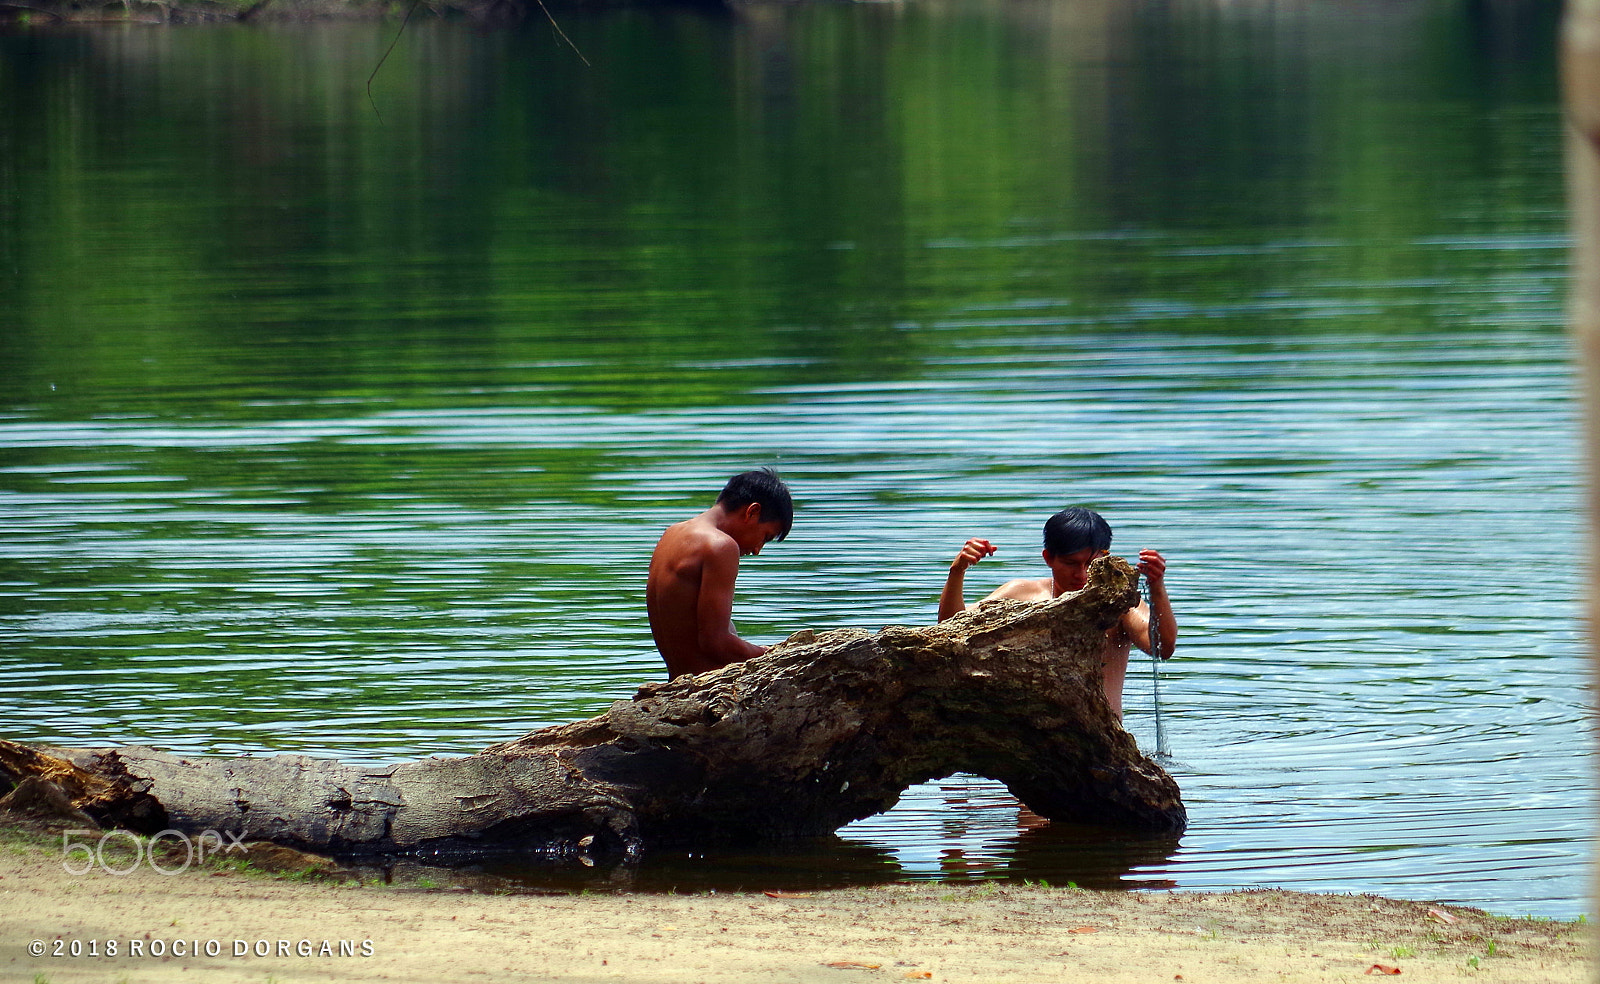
(345, 423)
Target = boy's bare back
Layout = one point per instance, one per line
(673, 594)
(689, 593)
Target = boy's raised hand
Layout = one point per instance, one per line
(1152, 565)
(973, 551)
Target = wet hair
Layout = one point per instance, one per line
(764, 487)
(1075, 529)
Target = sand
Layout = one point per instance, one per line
(210, 924)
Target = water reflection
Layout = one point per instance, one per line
(965, 828)
(969, 844)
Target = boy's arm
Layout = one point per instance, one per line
(1154, 567)
(952, 600)
(714, 608)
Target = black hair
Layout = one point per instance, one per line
(764, 487)
(1074, 529)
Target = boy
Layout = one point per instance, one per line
(1072, 538)
(689, 594)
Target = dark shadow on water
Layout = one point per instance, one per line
(1058, 855)
(822, 863)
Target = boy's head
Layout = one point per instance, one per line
(1075, 529)
(1073, 538)
(764, 488)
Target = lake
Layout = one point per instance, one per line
(342, 417)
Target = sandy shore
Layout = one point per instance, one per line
(209, 924)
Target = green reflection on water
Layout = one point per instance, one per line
(211, 223)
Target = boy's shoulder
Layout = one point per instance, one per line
(1023, 589)
(696, 532)
(691, 542)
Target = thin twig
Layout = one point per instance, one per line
(563, 34)
(409, 11)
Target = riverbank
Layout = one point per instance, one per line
(494, 13)
(45, 13)
(230, 922)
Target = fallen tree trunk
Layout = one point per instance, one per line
(818, 732)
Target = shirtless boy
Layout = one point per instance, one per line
(1073, 538)
(689, 594)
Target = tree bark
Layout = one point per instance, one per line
(1580, 78)
(819, 731)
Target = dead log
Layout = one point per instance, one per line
(822, 730)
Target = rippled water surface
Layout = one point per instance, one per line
(326, 433)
